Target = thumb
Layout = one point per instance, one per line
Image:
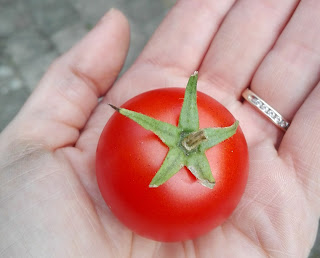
(65, 97)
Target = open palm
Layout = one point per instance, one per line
(50, 205)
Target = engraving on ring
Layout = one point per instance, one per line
(268, 111)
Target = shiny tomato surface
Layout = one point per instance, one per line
(128, 157)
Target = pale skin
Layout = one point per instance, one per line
(50, 205)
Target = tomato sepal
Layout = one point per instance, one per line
(217, 135)
(199, 166)
(173, 162)
(187, 143)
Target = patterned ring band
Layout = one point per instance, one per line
(267, 110)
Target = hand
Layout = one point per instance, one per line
(50, 204)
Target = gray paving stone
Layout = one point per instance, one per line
(3, 44)
(5, 2)
(144, 17)
(11, 84)
(14, 17)
(169, 3)
(26, 45)
(67, 37)
(150, 27)
(92, 11)
(315, 252)
(6, 24)
(52, 15)
(33, 73)
(9, 80)
(138, 41)
(144, 11)
(10, 103)
(6, 72)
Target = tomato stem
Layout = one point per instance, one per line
(193, 140)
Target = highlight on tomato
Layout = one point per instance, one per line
(172, 164)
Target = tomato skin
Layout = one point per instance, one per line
(128, 157)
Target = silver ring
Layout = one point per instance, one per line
(266, 109)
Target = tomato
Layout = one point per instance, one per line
(128, 157)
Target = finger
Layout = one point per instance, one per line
(245, 36)
(292, 68)
(300, 147)
(182, 39)
(66, 96)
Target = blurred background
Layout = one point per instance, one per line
(34, 32)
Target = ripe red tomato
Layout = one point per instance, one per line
(128, 157)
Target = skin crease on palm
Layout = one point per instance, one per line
(50, 205)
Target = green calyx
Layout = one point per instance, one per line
(187, 143)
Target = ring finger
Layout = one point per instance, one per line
(292, 68)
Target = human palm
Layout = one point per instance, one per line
(50, 202)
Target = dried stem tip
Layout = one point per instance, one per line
(114, 107)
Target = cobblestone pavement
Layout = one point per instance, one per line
(34, 32)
